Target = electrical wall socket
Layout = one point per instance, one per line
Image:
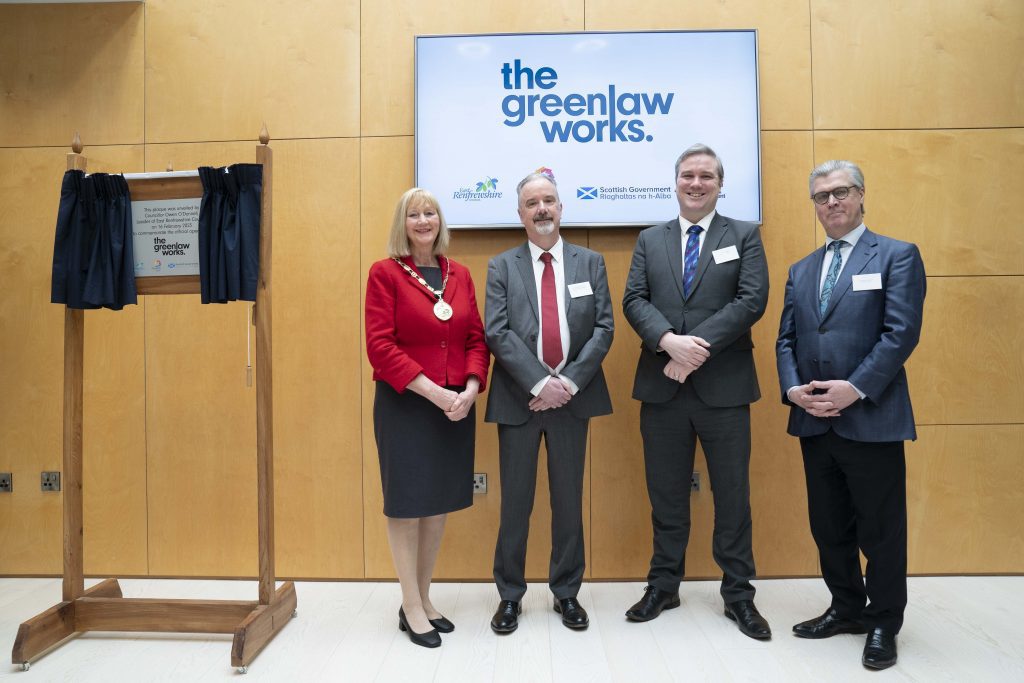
(49, 481)
(6, 482)
(695, 481)
(479, 483)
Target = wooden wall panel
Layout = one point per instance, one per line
(388, 27)
(952, 192)
(32, 379)
(71, 67)
(216, 70)
(386, 171)
(201, 417)
(968, 367)
(317, 351)
(784, 37)
(963, 503)
(918, 64)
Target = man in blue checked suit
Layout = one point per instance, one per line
(851, 318)
(696, 285)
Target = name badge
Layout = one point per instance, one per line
(867, 281)
(725, 254)
(578, 289)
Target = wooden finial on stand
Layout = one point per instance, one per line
(264, 134)
(76, 144)
(170, 167)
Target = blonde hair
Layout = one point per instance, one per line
(398, 242)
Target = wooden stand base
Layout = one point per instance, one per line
(102, 608)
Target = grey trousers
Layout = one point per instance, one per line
(670, 431)
(565, 436)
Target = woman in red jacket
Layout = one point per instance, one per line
(425, 341)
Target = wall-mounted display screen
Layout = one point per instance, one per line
(606, 113)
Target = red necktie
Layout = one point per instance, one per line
(551, 342)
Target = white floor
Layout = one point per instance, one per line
(957, 629)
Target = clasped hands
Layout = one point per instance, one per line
(456, 405)
(686, 354)
(554, 394)
(837, 394)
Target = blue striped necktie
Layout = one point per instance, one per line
(833, 275)
(690, 257)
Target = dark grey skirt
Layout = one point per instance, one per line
(426, 460)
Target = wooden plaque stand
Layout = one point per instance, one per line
(102, 607)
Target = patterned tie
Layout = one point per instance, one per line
(833, 275)
(551, 336)
(690, 257)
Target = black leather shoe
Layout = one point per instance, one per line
(573, 614)
(506, 619)
(654, 601)
(442, 625)
(827, 625)
(880, 649)
(750, 621)
(429, 639)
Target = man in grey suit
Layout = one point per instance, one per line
(851, 318)
(549, 324)
(696, 286)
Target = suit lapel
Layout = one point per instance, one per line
(569, 265)
(716, 232)
(860, 256)
(674, 253)
(524, 263)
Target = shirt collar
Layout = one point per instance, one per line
(704, 223)
(555, 251)
(850, 238)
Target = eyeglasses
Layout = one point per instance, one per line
(838, 193)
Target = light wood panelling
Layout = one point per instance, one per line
(953, 193)
(71, 67)
(783, 44)
(31, 375)
(317, 351)
(386, 170)
(216, 70)
(621, 511)
(968, 367)
(201, 417)
(389, 28)
(918, 64)
(963, 503)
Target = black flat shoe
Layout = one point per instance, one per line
(880, 649)
(429, 639)
(506, 618)
(573, 614)
(750, 621)
(651, 605)
(442, 625)
(827, 625)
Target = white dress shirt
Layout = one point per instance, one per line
(558, 266)
(851, 238)
(704, 223)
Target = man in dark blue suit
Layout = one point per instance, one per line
(851, 318)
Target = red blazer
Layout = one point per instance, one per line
(405, 338)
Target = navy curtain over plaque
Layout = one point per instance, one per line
(93, 263)
(229, 232)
